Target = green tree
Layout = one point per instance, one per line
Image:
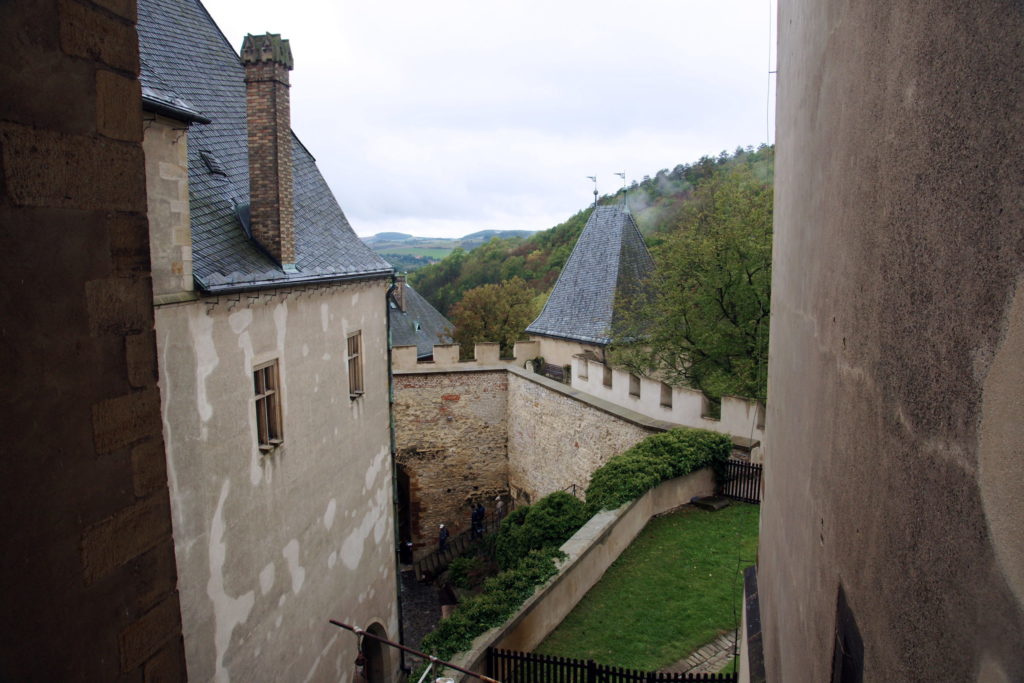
(494, 313)
(705, 324)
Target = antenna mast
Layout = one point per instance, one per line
(594, 178)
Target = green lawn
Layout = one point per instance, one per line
(673, 590)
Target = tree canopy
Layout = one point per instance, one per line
(706, 325)
(494, 313)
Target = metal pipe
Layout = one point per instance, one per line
(433, 660)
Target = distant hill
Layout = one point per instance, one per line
(387, 237)
(408, 252)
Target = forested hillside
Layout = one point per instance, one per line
(658, 204)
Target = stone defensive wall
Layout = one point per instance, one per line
(472, 431)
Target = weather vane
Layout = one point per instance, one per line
(594, 178)
(623, 176)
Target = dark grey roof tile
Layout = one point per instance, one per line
(609, 259)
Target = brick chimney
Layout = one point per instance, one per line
(267, 60)
(400, 292)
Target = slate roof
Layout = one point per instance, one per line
(420, 324)
(187, 61)
(609, 259)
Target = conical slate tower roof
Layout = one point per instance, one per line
(609, 260)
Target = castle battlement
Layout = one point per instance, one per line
(740, 418)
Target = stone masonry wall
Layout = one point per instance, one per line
(451, 440)
(87, 563)
(556, 441)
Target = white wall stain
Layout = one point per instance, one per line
(305, 350)
(267, 578)
(200, 327)
(332, 507)
(228, 612)
(240, 320)
(291, 553)
(281, 600)
(374, 521)
(332, 559)
(324, 316)
(177, 508)
(323, 653)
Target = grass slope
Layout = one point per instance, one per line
(673, 590)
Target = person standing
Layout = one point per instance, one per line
(480, 513)
(442, 538)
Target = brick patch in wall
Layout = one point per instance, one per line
(127, 419)
(124, 535)
(144, 637)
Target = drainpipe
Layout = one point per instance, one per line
(394, 473)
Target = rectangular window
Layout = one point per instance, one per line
(581, 368)
(634, 385)
(607, 377)
(268, 406)
(355, 365)
(666, 395)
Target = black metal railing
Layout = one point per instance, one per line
(740, 481)
(509, 666)
(437, 561)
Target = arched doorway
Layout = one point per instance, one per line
(373, 650)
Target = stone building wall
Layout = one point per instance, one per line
(556, 440)
(891, 544)
(87, 563)
(451, 441)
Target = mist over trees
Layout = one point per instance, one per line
(705, 321)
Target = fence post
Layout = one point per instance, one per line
(591, 671)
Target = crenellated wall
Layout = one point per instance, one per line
(740, 418)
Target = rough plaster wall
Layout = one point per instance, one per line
(450, 436)
(269, 547)
(86, 561)
(555, 441)
(561, 351)
(898, 254)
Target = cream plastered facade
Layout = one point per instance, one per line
(270, 545)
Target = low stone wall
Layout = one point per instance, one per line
(556, 439)
(590, 552)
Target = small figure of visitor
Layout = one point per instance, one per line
(499, 508)
(474, 515)
(442, 538)
(479, 517)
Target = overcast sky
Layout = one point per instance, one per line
(447, 117)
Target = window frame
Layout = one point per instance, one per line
(354, 364)
(267, 402)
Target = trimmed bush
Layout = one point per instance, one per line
(547, 523)
(501, 597)
(659, 457)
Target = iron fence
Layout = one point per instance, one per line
(509, 666)
(741, 481)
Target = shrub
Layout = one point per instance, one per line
(460, 569)
(501, 597)
(547, 523)
(659, 457)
